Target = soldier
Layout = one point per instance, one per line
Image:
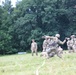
(60, 50)
(44, 46)
(45, 43)
(74, 45)
(54, 45)
(69, 45)
(50, 48)
(34, 47)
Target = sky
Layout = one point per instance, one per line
(13, 2)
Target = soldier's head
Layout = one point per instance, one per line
(57, 35)
(33, 40)
(72, 36)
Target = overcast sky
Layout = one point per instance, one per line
(13, 2)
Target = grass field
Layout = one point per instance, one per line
(26, 64)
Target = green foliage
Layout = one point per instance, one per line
(5, 23)
(5, 42)
(31, 19)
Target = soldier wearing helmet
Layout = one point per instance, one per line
(54, 46)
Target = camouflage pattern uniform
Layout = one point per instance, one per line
(74, 45)
(60, 50)
(34, 47)
(53, 46)
(72, 41)
(44, 45)
(70, 45)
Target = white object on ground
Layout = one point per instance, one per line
(21, 52)
(37, 71)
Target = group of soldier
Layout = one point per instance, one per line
(51, 46)
(71, 44)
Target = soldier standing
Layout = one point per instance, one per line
(74, 44)
(69, 45)
(72, 41)
(45, 43)
(34, 47)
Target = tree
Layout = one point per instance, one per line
(31, 19)
(5, 23)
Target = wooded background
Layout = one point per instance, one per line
(31, 19)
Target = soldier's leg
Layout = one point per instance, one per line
(48, 51)
(70, 49)
(44, 49)
(36, 52)
(52, 54)
(59, 54)
(74, 49)
(60, 50)
(32, 51)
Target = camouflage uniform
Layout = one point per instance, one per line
(74, 45)
(44, 45)
(72, 41)
(34, 47)
(70, 45)
(53, 46)
(60, 50)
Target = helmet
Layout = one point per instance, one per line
(72, 36)
(57, 35)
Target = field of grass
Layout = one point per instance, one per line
(26, 64)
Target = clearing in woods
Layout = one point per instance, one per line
(26, 64)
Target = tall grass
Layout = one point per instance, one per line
(27, 65)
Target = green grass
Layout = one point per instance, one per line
(27, 65)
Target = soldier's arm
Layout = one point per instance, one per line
(62, 42)
(52, 37)
(67, 43)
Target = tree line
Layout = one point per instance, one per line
(31, 19)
